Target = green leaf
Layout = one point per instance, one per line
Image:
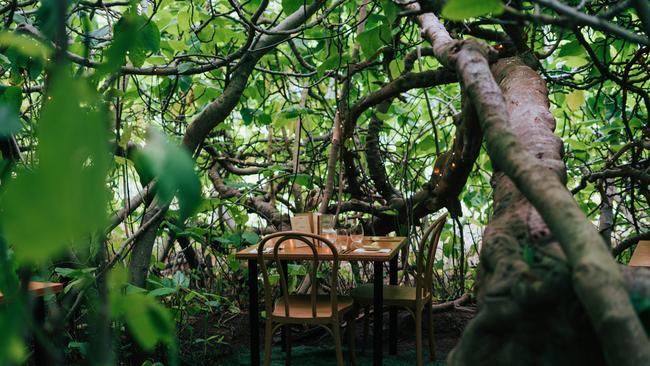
(305, 180)
(575, 99)
(390, 10)
(571, 49)
(134, 36)
(290, 6)
(427, 145)
(10, 100)
(174, 168)
(24, 45)
(11, 96)
(149, 36)
(332, 62)
(247, 115)
(162, 291)
(148, 321)
(9, 121)
(265, 119)
(463, 9)
(373, 39)
(396, 67)
(250, 237)
(61, 202)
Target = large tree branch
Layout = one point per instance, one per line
(217, 111)
(404, 83)
(572, 17)
(376, 169)
(255, 205)
(450, 173)
(624, 171)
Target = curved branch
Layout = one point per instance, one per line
(217, 111)
(405, 82)
(625, 244)
(255, 205)
(376, 168)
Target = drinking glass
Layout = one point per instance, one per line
(327, 227)
(329, 234)
(326, 222)
(356, 232)
(342, 239)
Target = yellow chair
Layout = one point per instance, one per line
(312, 309)
(415, 298)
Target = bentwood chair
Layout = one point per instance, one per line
(413, 299)
(311, 309)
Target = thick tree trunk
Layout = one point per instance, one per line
(595, 275)
(529, 313)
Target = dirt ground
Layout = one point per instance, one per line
(229, 341)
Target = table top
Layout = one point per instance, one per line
(37, 288)
(641, 255)
(372, 248)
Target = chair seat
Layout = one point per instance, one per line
(393, 295)
(300, 306)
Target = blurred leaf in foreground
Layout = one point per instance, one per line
(62, 201)
(173, 166)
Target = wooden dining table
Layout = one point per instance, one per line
(376, 249)
(40, 289)
(641, 255)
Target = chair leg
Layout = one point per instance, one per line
(287, 345)
(336, 330)
(268, 339)
(432, 344)
(418, 337)
(366, 327)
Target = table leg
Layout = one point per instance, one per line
(254, 312)
(392, 330)
(285, 329)
(379, 310)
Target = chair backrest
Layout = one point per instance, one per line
(311, 240)
(426, 257)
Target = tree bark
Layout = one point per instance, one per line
(525, 277)
(595, 276)
(143, 245)
(331, 164)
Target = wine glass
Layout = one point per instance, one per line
(342, 239)
(356, 232)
